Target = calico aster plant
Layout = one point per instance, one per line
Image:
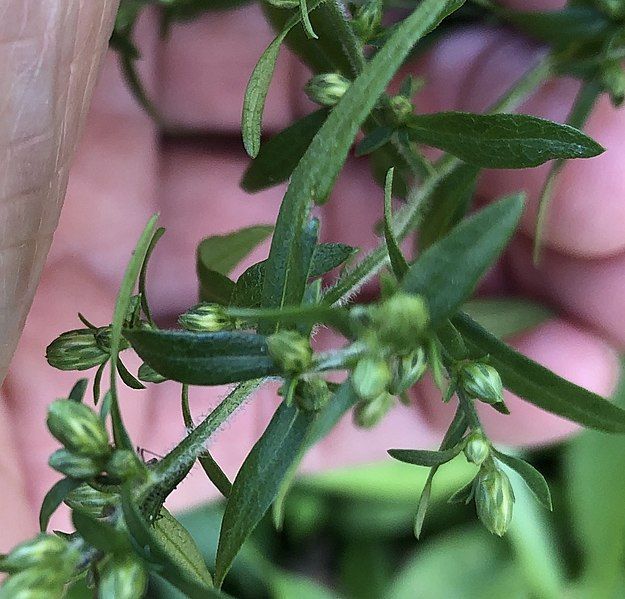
(258, 328)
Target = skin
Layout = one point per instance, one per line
(124, 171)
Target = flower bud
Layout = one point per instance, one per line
(409, 371)
(81, 467)
(368, 413)
(123, 578)
(78, 428)
(34, 584)
(613, 79)
(312, 395)
(401, 320)
(290, 351)
(41, 552)
(207, 318)
(402, 107)
(76, 350)
(367, 19)
(494, 500)
(371, 378)
(477, 449)
(481, 381)
(123, 464)
(147, 374)
(327, 89)
(89, 500)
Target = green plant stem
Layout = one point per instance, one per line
(468, 408)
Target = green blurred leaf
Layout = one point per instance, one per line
(424, 457)
(373, 141)
(398, 262)
(203, 358)
(505, 317)
(279, 156)
(285, 585)
(54, 498)
(100, 534)
(501, 140)
(540, 386)
(328, 256)
(448, 271)
(258, 482)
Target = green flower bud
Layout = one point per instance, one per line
(481, 381)
(77, 466)
(371, 378)
(494, 500)
(290, 351)
(76, 350)
(613, 79)
(123, 464)
(327, 89)
(123, 578)
(41, 552)
(91, 501)
(147, 374)
(312, 395)
(283, 3)
(78, 428)
(368, 413)
(207, 318)
(367, 19)
(402, 108)
(401, 321)
(477, 448)
(34, 584)
(409, 370)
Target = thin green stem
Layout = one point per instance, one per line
(468, 407)
(352, 46)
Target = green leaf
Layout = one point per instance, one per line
(398, 262)
(258, 86)
(505, 317)
(379, 137)
(214, 287)
(78, 390)
(127, 378)
(424, 457)
(221, 253)
(448, 271)
(540, 386)
(328, 256)
(143, 274)
(448, 204)
(54, 498)
(100, 534)
(203, 358)
(258, 482)
(501, 140)
(279, 156)
(533, 479)
(286, 585)
(314, 176)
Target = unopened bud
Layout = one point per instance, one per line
(147, 374)
(81, 467)
(402, 108)
(401, 320)
(34, 583)
(481, 381)
(312, 395)
(123, 578)
(494, 500)
(76, 350)
(89, 500)
(477, 449)
(123, 464)
(206, 317)
(409, 371)
(78, 428)
(41, 552)
(613, 79)
(369, 413)
(327, 89)
(290, 351)
(367, 19)
(371, 378)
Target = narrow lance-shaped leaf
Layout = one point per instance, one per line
(99, 533)
(203, 358)
(540, 386)
(258, 482)
(501, 140)
(448, 271)
(533, 479)
(398, 262)
(54, 498)
(424, 457)
(316, 172)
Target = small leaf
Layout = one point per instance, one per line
(127, 377)
(54, 498)
(99, 533)
(398, 262)
(501, 140)
(308, 28)
(448, 271)
(214, 287)
(279, 156)
(328, 256)
(540, 386)
(203, 358)
(423, 457)
(78, 390)
(379, 137)
(248, 290)
(533, 479)
(258, 482)
(463, 495)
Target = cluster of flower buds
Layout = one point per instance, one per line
(482, 382)
(207, 318)
(367, 19)
(327, 89)
(39, 567)
(80, 349)
(494, 498)
(123, 577)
